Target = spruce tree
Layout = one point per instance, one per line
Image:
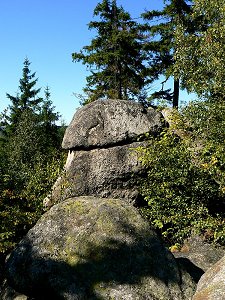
(30, 130)
(26, 99)
(161, 45)
(47, 121)
(30, 159)
(115, 57)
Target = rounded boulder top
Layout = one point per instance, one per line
(105, 123)
(95, 248)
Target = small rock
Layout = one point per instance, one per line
(200, 253)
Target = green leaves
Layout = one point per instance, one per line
(185, 189)
(21, 205)
(200, 55)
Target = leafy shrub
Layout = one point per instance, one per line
(208, 128)
(21, 204)
(184, 188)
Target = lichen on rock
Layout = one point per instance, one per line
(95, 248)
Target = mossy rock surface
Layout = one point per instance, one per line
(94, 248)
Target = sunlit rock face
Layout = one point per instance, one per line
(211, 286)
(106, 123)
(101, 141)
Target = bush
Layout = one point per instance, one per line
(183, 189)
(21, 204)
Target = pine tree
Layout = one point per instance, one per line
(115, 56)
(26, 99)
(162, 44)
(30, 130)
(47, 120)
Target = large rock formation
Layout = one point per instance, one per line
(101, 140)
(95, 248)
(212, 284)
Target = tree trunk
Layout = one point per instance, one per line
(176, 89)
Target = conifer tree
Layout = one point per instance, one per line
(115, 56)
(162, 45)
(26, 98)
(30, 130)
(48, 118)
(29, 158)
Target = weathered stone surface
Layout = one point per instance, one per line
(93, 248)
(104, 123)
(100, 140)
(111, 172)
(212, 284)
(201, 254)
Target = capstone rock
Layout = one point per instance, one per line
(104, 123)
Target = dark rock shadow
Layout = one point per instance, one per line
(194, 271)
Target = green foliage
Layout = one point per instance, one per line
(27, 174)
(21, 205)
(207, 119)
(161, 44)
(115, 57)
(30, 159)
(200, 57)
(184, 189)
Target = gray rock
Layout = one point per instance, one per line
(93, 248)
(111, 172)
(201, 254)
(212, 284)
(100, 140)
(105, 123)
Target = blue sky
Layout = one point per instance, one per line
(48, 32)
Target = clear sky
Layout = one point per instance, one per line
(48, 32)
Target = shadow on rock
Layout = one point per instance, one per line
(117, 257)
(194, 271)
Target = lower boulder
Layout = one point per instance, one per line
(95, 248)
